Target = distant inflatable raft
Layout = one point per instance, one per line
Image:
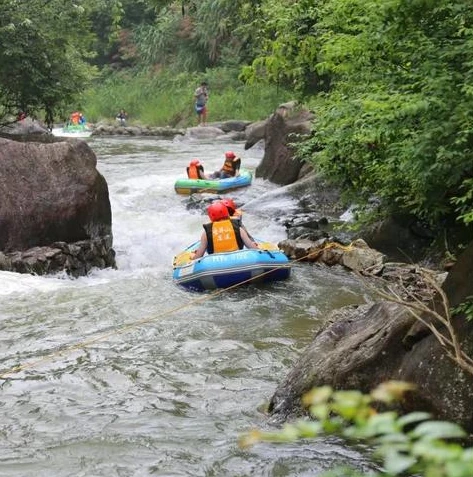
(73, 130)
(215, 186)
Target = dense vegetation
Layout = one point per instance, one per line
(413, 444)
(390, 82)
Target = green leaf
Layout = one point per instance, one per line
(438, 430)
(396, 463)
(459, 469)
(412, 418)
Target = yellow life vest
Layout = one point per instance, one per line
(223, 236)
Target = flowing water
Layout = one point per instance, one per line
(123, 373)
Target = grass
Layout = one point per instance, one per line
(166, 98)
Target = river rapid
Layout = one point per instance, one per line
(122, 373)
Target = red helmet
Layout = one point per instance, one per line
(230, 205)
(217, 211)
(195, 162)
(230, 155)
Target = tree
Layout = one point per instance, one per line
(43, 48)
(193, 36)
(395, 120)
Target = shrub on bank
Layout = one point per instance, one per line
(166, 98)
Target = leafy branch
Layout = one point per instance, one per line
(411, 443)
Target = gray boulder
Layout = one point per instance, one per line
(360, 348)
(53, 194)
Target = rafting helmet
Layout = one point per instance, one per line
(217, 211)
(195, 162)
(230, 205)
(230, 155)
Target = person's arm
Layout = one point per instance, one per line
(202, 173)
(246, 239)
(202, 247)
(236, 166)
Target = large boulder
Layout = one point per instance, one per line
(27, 130)
(361, 348)
(357, 350)
(53, 196)
(287, 125)
(255, 132)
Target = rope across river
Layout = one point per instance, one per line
(136, 324)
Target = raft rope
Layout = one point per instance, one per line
(122, 329)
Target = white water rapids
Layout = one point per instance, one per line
(142, 390)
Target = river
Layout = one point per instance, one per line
(122, 373)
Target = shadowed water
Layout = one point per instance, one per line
(125, 374)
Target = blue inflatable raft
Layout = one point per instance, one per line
(223, 270)
(215, 186)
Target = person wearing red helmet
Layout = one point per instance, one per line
(233, 211)
(230, 168)
(195, 170)
(235, 214)
(221, 234)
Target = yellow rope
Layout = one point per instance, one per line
(136, 324)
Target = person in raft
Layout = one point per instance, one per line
(74, 118)
(230, 168)
(221, 234)
(195, 170)
(235, 213)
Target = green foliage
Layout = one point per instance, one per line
(465, 308)
(167, 98)
(286, 46)
(193, 36)
(42, 62)
(411, 443)
(394, 116)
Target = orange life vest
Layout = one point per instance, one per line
(223, 236)
(192, 172)
(75, 118)
(228, 167)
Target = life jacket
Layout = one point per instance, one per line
(75, 118)
(228, 167)
(192, 172)
(223, 236)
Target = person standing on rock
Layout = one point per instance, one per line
(201, 96)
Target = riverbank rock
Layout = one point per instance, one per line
(118, 130)
(287, 125)
(27, 130)
(356, 350)
(356, 256)
(55, 211)
(235, 129)
(363, 346)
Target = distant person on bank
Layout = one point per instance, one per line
(201, 96)
(122, 117)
